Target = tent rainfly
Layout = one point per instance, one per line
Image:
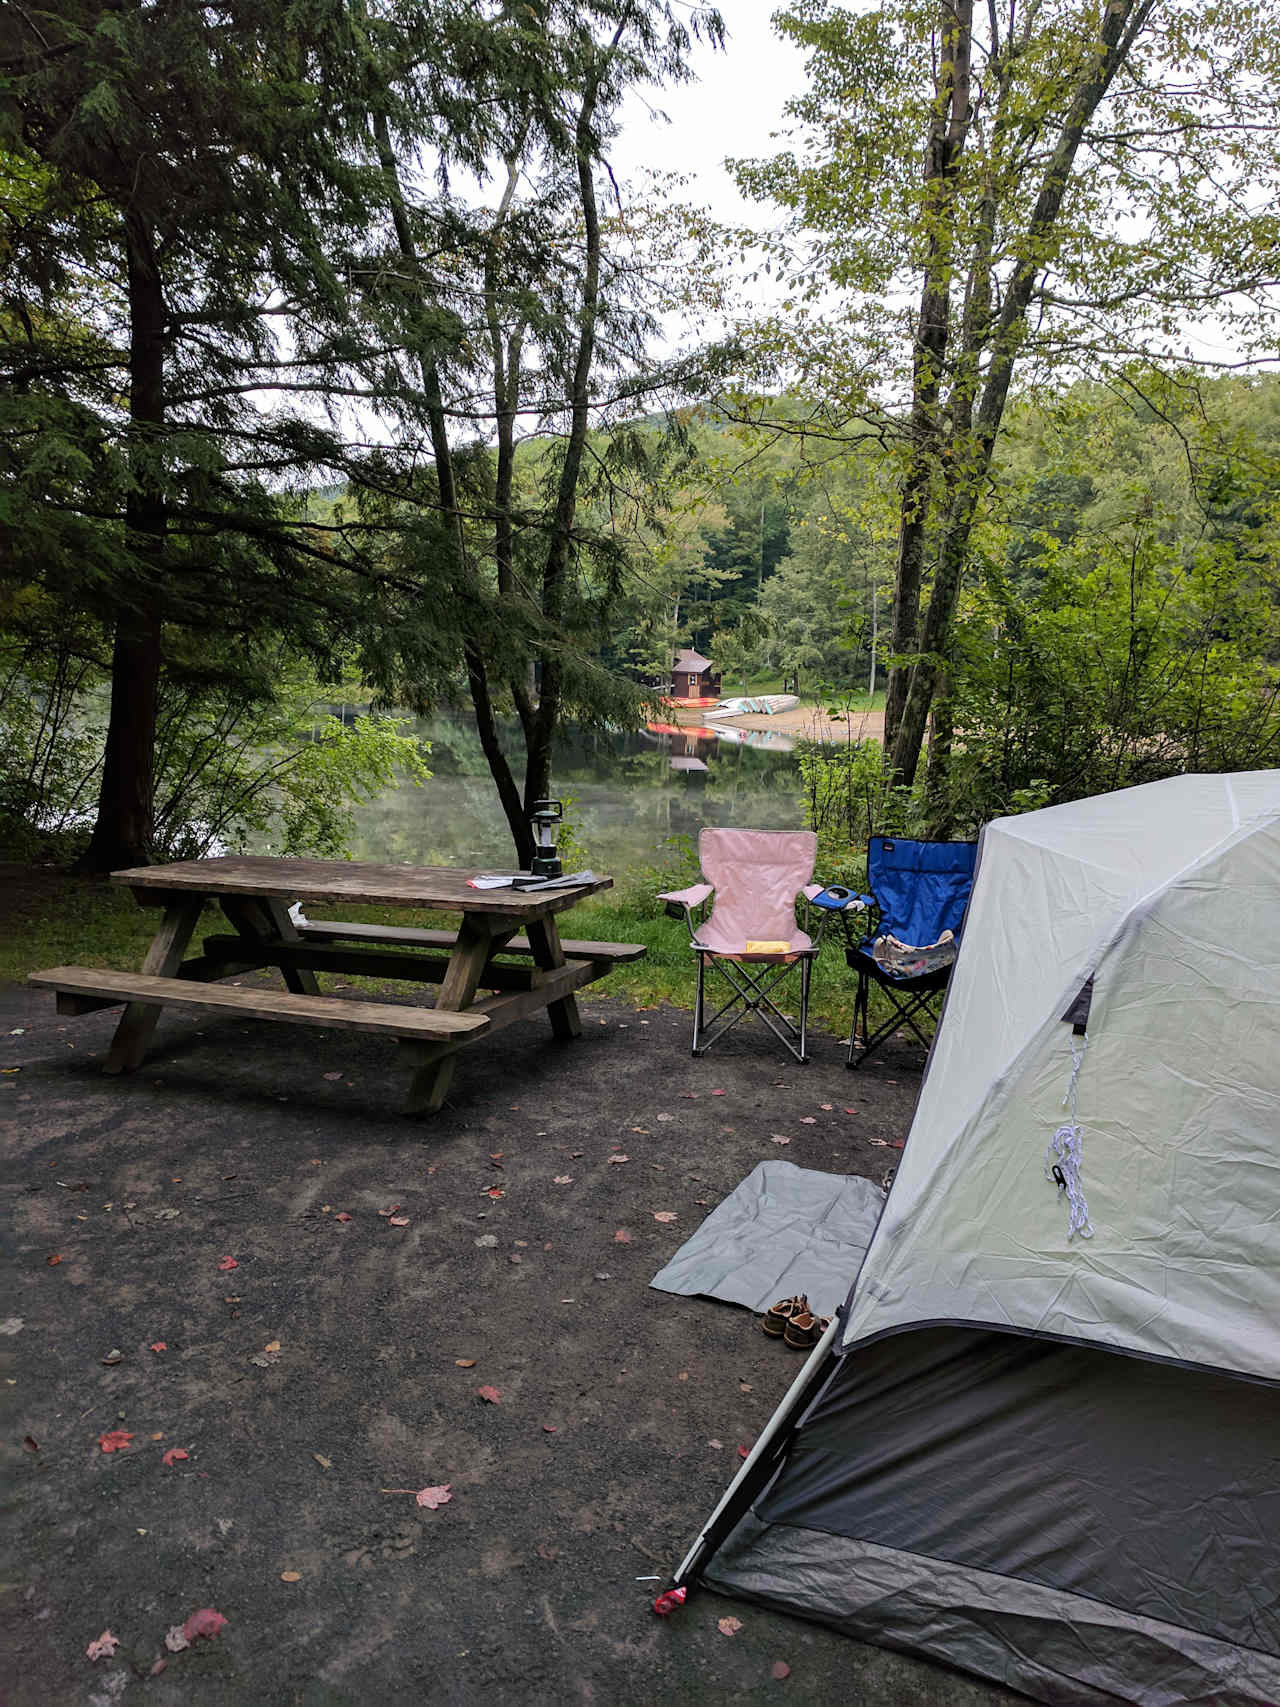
(1041, 1442)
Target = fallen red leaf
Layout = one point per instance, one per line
(433, 1498)
(103, 1646)
(228, 1263)
(174, 1455)
(851, 1111)
(622, 1237)
(744, 1452)
(549, 1428)
(397, 1220)
(494, 1191)
(897, 1143)
(665, 1215)
(808, 1120)
(342, 1216)
(780, 1670)
(54, 1260)
(490, 1395)
(333, 1075)
(392, 1211)
(204, 1622)
(728, 1626)
(114, 1440)
(158, 1345)
(30, 1443)
(717, 1093)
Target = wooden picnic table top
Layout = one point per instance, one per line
(440, 887)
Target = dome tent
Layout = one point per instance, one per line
(1042, 1442)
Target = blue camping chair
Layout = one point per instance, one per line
(920, 890)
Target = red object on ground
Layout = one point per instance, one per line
(668, 1601)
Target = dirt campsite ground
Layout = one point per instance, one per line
(293, 1309)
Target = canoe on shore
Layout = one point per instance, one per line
(756, 705)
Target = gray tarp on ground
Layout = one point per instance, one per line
(783, 1230)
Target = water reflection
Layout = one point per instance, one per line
(629, 793)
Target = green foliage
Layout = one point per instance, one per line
(266, 768)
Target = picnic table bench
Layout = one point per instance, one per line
(507, 944)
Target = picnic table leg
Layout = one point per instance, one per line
(478, 937)
(262, 916)
(138, 1022)
(548, 954)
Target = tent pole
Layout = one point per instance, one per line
(750, 1478)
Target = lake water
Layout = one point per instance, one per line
(625, 796)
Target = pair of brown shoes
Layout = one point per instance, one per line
(792, 1321)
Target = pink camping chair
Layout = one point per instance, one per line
(750, 937)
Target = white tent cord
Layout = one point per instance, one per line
(1063, 1157)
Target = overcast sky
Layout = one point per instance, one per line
(730, 111)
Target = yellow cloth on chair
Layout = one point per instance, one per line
(766, 947)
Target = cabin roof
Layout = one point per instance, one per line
(692, 663)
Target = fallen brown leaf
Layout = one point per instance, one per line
(728, 1626)
(464, 1362)
(665, 1215)
(431, 1499)
(54, 1260)
(103, 1646)
(622, 1237)
(322, 1461)
(296, 1576)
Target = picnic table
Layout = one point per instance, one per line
(478, 992)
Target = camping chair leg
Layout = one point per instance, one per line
(699, 1005)
(904, 1014)
(806, 967)
(859, 1014)
(750, 992)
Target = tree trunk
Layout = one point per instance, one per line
(1121, 23)
(477, 674)
(123, 832)
(555, 571)
(947, 135)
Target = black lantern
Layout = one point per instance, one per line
(545, 818)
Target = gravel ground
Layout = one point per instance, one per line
(201, 1256)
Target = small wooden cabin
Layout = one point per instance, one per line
(693, 677)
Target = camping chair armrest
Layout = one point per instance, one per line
(842, 901)
(686, 901)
